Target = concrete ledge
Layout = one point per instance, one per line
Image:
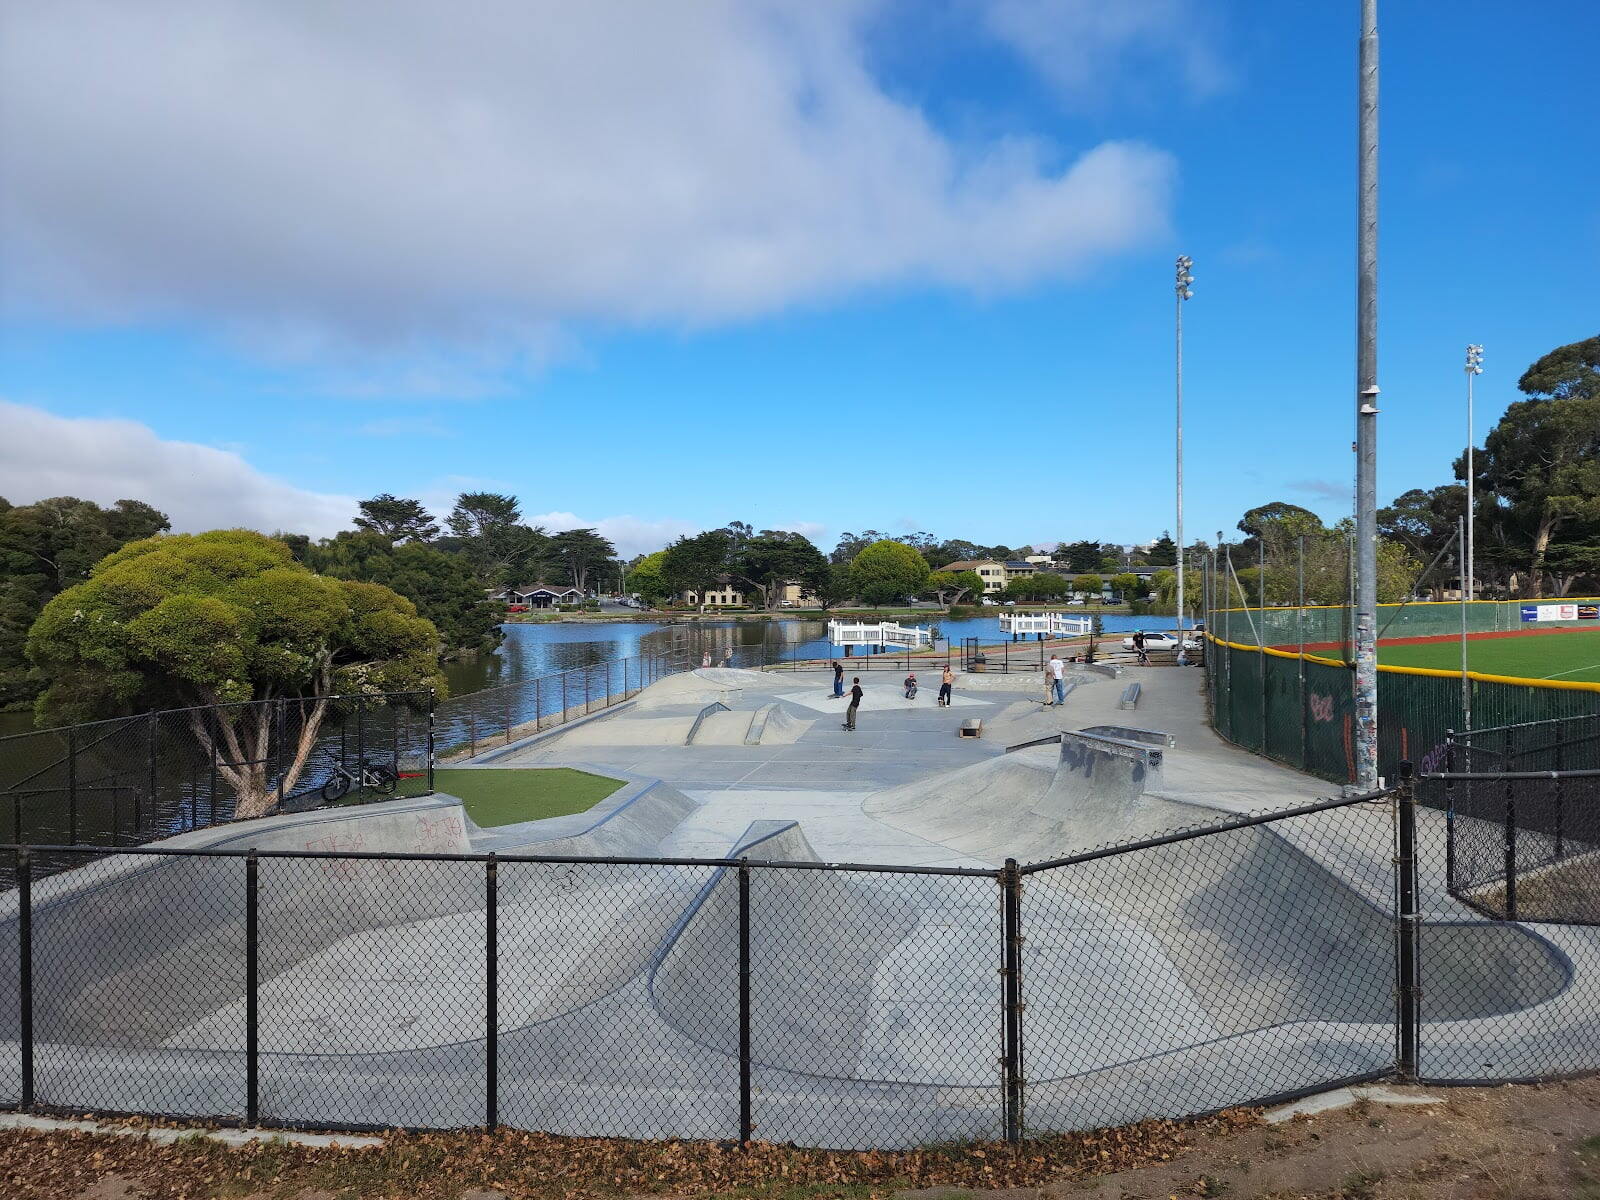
(758, 724)
(1109, 670)
(1126, 733)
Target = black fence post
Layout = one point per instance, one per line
(491, 999)
(746, 1115)
(1560, 800)
(155, 807)
(361, 737)
(1012, 1085)
(194, 800)
(25, 971)
(563, 697)
(72, 787)
(505, 712)
(277, 754)
(1511, 850)
(252, 976)
(1408, 996)
(432, 701)
(1449, 812)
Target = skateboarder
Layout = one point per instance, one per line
(855, 703)
(838, 681)
(911, 686)
(1138, 645)
(1054, 676)
(946, 682)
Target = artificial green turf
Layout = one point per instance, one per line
(1573, 655)
(504, 797)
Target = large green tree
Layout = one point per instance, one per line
(196, 620)
(577, 552)
(770, 559)
(836, 586)
(888, 571)
(952, 587)
(1541, 463)
(396, 518)
(646, 580)
(46, 547)
(487, 528)
(441, 585)
(1081, 556)
(695, 564)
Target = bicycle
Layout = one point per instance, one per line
(373, 775)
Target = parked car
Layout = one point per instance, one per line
(989, 602)
(1075, 601)
(1162, 641)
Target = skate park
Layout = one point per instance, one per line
(1153, 987)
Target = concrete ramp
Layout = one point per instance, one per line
(816, 948)
(625, 729)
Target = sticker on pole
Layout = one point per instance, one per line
(1550, 612)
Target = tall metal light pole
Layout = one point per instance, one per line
(1474, 367)
(1366, 622)
(1185, 278)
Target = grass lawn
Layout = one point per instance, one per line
(1573, 656)
(504, 797)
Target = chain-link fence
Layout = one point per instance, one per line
(134, 779)
(490, 719)
(1250, 959)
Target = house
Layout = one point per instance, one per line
(725, 594)
(1020, 568)
(991, 570)
(540, 595)
(799, 595)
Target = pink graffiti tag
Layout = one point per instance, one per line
(1321, 707)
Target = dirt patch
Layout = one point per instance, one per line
(1510, 1143)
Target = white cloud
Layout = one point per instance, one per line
(397, 172)
(630, 535)
(198, 487)
(1086, 48)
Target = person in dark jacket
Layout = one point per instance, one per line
(855, 703)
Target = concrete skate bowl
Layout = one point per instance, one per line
(873, 996)
(372, 978)
(1236, 968)
(1037, 803)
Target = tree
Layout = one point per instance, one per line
(951, 587)
(197, 620)
(1081, 556)
(1163, 551)
(694, 564)
(852, 544)
(888, 571)
(578, 550)
(646, 580)
(397, 519)
(1126, 585)
(1043, 585)
(836, 586)
(1089, 585)
(739, 532)
(1280, 524)
(1424, 521)
(953, 550)
(441, 585)
(487, 528)
(1542, 461)
(46, 547)
(772, 558)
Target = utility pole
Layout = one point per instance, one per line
(1470, 584)
(1185, 278)
(1366, 615)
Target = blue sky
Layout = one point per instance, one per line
(899, 265)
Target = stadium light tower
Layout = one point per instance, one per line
(1184, 278)
(1474, 367)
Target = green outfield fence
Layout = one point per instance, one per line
(1270, 698)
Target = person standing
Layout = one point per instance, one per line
(855, 703)
(838, 681)
(947, 681)
(705, 660)
(1138, 645)
(1055, 680)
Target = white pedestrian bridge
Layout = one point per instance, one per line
(877, 633)
(1052, 624)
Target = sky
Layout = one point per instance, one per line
(902, 265)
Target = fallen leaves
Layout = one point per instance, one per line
(441, 1166)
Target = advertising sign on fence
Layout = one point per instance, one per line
(1550, 612)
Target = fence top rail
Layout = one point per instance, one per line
(1461, 734)
(554, 859)
(1494, 775)
(129, 718)
(1200, 831)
